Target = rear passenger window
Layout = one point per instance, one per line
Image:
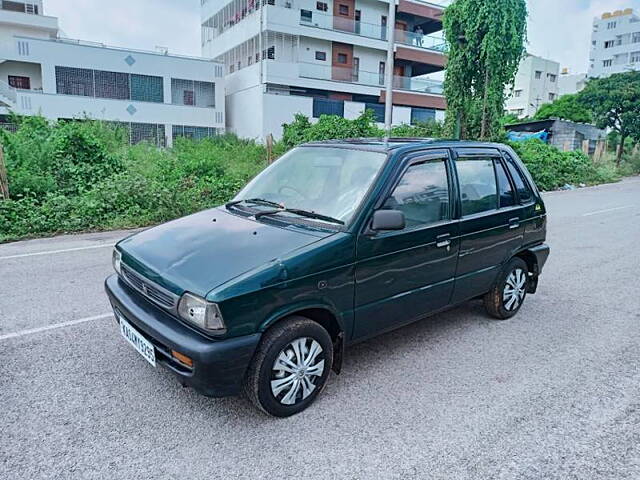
(506, 194)
(422, 194)
(478, 189)
(522, 186)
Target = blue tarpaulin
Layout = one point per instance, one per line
(522, 136)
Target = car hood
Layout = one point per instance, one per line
(202, 251)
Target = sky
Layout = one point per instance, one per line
(558, 29)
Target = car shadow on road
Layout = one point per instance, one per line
(387, 351)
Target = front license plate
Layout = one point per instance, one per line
(141, 344)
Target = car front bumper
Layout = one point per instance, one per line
(219, 366)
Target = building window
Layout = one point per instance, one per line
(195, 133)
(74, 81)
(355, 76)
(326, 106)
(635, 37)
(378, 111)
(112, 85)
(517, 93)
(342, 58)
(306, 16)
(611, 25)
(381, 73)
(607, 63)
(635, 57)
(322, 6)
(271, 53)
(552, 77)
(193, 93)
(147, 88)
(21, 83)
(609, 44)
(343, 10)
(538, 74)
(422, 115)
(322, 56)
(552, 96)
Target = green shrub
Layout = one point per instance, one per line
(553, 169)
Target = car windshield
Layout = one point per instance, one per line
(327, 181)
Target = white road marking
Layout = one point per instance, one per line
(597, 212)
(51, 252)
(70, 323)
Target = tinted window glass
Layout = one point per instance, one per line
(477, 185)
(422, 194)
(507, 196)
(521, 183)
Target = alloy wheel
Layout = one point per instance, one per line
(297, 371)
(514, 289)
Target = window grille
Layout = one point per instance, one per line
(193, 132)
(75, 81)
(146, 88)
(112, 85)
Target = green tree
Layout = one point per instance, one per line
(486, 43)
(614, 103)
(567, 107)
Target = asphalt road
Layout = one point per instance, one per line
(552, 394)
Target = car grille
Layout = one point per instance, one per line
(149, 290)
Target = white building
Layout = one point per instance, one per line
(155, 95)
(284, 57)
(571, 83)
(615, 43)
(536, 83)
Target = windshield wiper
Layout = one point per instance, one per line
(302, 213)
(256, 201)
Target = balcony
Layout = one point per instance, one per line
(370, 30)
(370, 79)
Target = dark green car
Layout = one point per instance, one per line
(334, 243)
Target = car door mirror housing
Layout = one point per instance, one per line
(385, 220)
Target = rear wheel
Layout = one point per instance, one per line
(506, 297)
(290, 367)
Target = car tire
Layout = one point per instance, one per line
(290, 367)
(507, 296)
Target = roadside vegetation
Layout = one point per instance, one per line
(83, 176)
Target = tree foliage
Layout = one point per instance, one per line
(614, 103)
(486, 43)
(567, 107)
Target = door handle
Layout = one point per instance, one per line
(443, 240)
(514, 222)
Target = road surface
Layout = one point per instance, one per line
(553, 393)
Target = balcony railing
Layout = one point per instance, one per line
(369, 30)
(371, 79)
(416, 39)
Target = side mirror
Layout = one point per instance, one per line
(388, 220)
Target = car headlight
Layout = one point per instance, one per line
(200, 312)
(116, 258)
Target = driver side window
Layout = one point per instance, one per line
(422, 194)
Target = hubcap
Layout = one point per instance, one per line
(296, 371)
(514, 289)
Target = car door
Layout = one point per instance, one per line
(491, 229)
(406, 274)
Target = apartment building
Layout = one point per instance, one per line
(615, 43)
(284, 57)
(570, 83)
(155, 96)
(536, 83)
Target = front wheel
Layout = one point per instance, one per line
(506, 297)
(290, 367)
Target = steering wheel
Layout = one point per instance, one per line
(294, 190)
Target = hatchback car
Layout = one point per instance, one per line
(332, 244)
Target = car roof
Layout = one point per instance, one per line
(398, 145)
